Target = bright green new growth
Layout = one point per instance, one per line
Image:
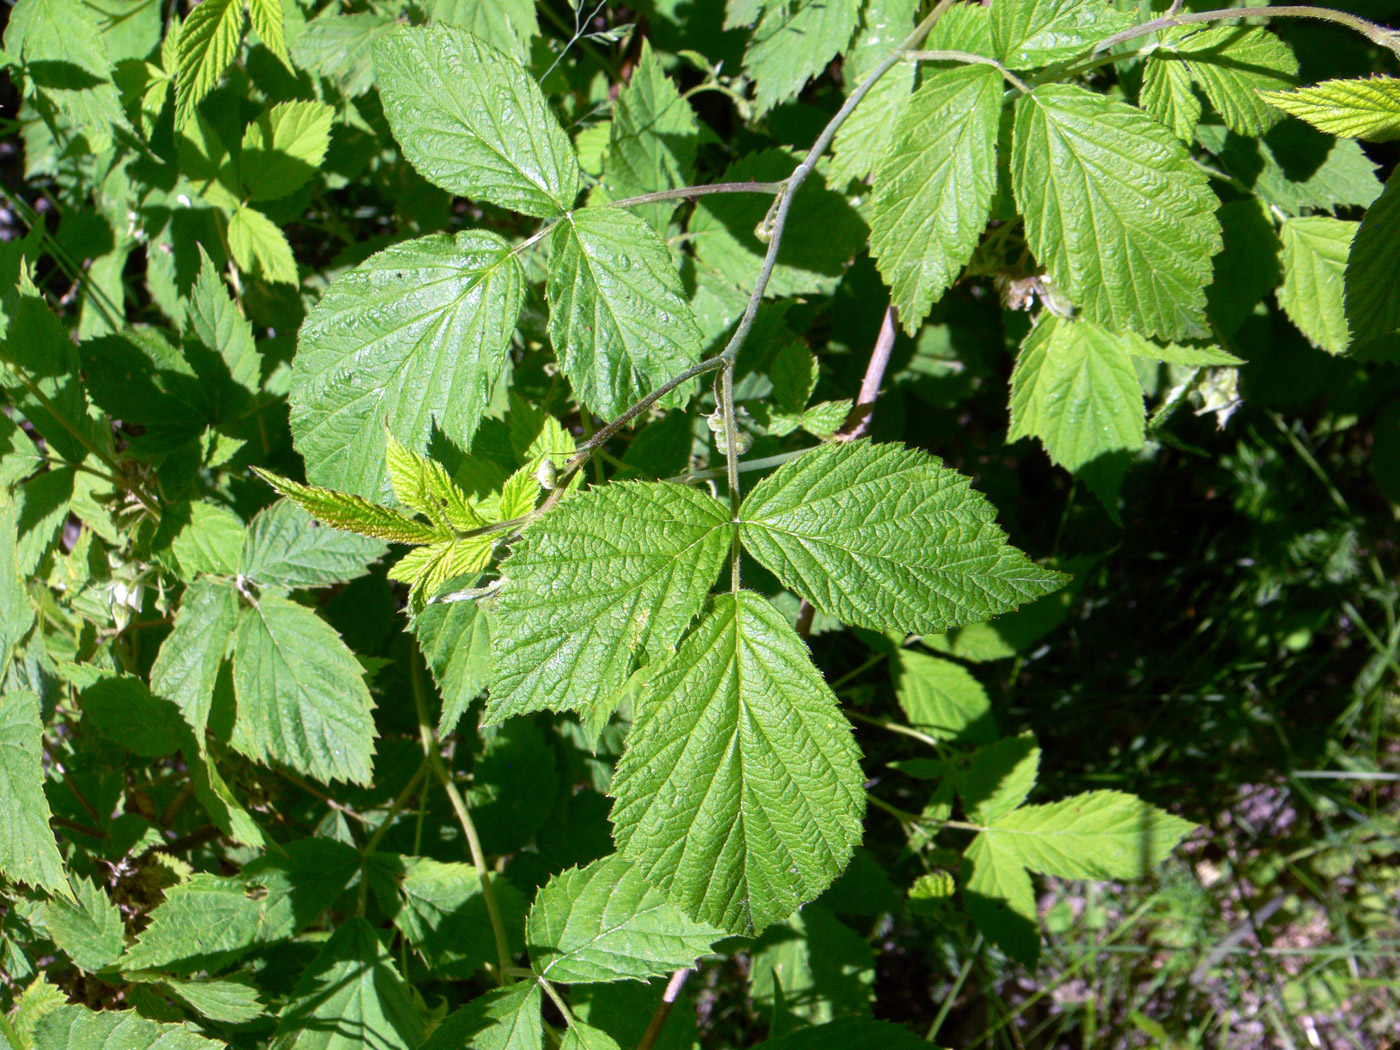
(1363, 109)
(1237, 67)
(1315, 250)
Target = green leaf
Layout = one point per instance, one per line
(793, 42)
(1294, 167)
(78, 1028)
(998, 778)
(43, 379)
(605, 923)
(651, 141)
(1248, 268)
(424, 485)
(1030, 33)
(187, 666)
(121, 708)
(610, 575)
(456, 642)
(1076, 389)
(428, 569)
(16, 611)
(206, 923)
(1233, 65)
(826, 525)
(1315, 250)
(87, 927)
(619, 319)
(861, 142)
(503, 1019)
(28, 852)
(283, 148)
(267, 19)
(740, 794)
(812, 965)
(416, 335)
(1167, 96)
(228, 1001)
(217, 327)
(340, 510)
(285, 548)
(1115, 210)
(258, 245)
(848, 1033)
(1098, 835)
(505, 24)
(998, 896)
(1372, 293)
(472, 121)
(942, 698)
(1363, 109)
(209, 40)
(338, 47)
(350, 998)
(210, 542)
(302, 698)
(585, 1037)
(933, 193)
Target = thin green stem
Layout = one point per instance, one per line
(967, 58)
(550, 991)
(1377, 34)
(745, 467)
(459, 806)
(731, 465)
(687, 192)
(394, 807)
(952, 995)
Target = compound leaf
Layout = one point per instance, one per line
(887, 538)
(28, 852)
(793, 42)
(999, 897)
(740, 794)
(209, 39)
(301, 693)
(611, 574)
(604, 922)
(933, 192)
(1372, 293)
(1363, 109)
(619, 319)
(1115, 210)
(415, 335)
(472, 121)
(78, 1028)
(1315, 250)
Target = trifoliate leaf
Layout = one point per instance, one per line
(456, 642)
(351, 997)
(471, 120)
(78, 1028)
(505, 24)
(209, 40)
(87, 927)
(259, 246)
(998, 896)
(998, 777)
(283, 148)
(266, 16)
(793, 42)
(1315, 250)
(301, 693)
(1372, 293)
(1030, 33)
(28, 852)
(1233, 65)
(503, 1019)
(285, 548)
(1363, 109)
(933, 192)
(611, 575)
(1167, 96)
(206, 923)
(187, 666)
(942, 698)
(341, 510)
(740, 794)
(415, 336)
(619, 319)
(604, 922)
(1115, 210)
(887, 538)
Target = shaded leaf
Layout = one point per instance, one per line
(28, 852)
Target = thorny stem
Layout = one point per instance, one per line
(663, 1009)
(464, 817)
(1377, 34)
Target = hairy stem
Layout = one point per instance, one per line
(1377, 34)
(731, 466)
(663, 1009)
(967, 58)
(687, 192)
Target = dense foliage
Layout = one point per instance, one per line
(504, 504)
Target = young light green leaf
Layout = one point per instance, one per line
(423, 484)
(87, 927)
(283, 148)
(1030, 33)
(604, 922)
(456, 643)
(1098, 835)
(1363, 109)
(740, 794)
(998, 778)
(1315, 250)
(1115, 210)
(28, 852)
(610, 575)
(187, 665)
(1201, 355)
(267, 19)
(1372, 293)
(472, 121)
(1233, 65)
(78, 1028)
(505, 24)
(427, 569)
(887, 538)
(942, 698)
(1168, 97)
(340, 510)
(259, 246)
(999, 897)
(205, 923)
(933, 192)
(415, 335)
(209, 40)
(351, 997)
(285, 548)
(619, 319)
(793, 42)
(302, 698)
(503, 1019)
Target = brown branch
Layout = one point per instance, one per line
(663, 1009)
